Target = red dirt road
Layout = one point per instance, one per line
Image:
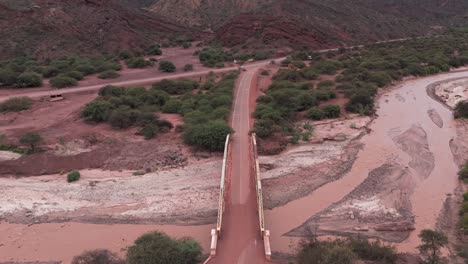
(131, 82)
(240, 241)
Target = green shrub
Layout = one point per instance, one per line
(172, 106)
(75, 75)
(154, 50)
(465, 196)
(461, 110)
(149, 131)
(86, 69)
(109, 74)
(167, 66)
(265, 73)
(8, 77)
(31, 139)
(325, 84)
(100, 256)
(138, 63)
(125, 55)
(73, 176)
(123, 117)
(361, 103)
(315, 114)
(177, 87)
(29, 79)
(16, 104)
(463, 173)
(62, 81)
(158, 248)
(188, 67)
(210, 136)
(97, 111)
(332, 111)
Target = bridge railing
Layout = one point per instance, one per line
(265, 234)
(216, 233)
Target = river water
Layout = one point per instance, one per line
(402, 108)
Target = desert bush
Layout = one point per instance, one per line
(331, 111)
(99, 256)
(73, 176)
(149, 131)
(176, 87)
(345, 251)
(31, 139)
(315, 114)
(167, 66)
(463, 173)
(8, 77)
(158, 248)
(361, 103)
(265, 73)
(172, 106)
(16, 104)
(139, 62)
(29, 79)
(325, 84)
(461, 110)
(210, 136)
(75, 75)
(123, 117)
(188, 67)
(62, 81)
(109, 74)
(97, 111)
(125, 55)
(154, 50)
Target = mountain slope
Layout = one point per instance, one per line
(51, 28)
(314, 22)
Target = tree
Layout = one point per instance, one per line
(62, 81)
(97, 111)
(31, 139)
(167, 66)
(158, 248)
(431, 243)
(29, 79)
(210, 136)
(99, 256)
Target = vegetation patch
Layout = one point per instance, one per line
(205, 109)
(461, 110)
(26, 72)
(109, 74)
(73, 176)
(217, 56)
(158, 248)
(16, 104)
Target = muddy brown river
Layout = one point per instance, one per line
(402, 175)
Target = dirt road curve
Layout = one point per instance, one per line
(144, 81)
(241, 242)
